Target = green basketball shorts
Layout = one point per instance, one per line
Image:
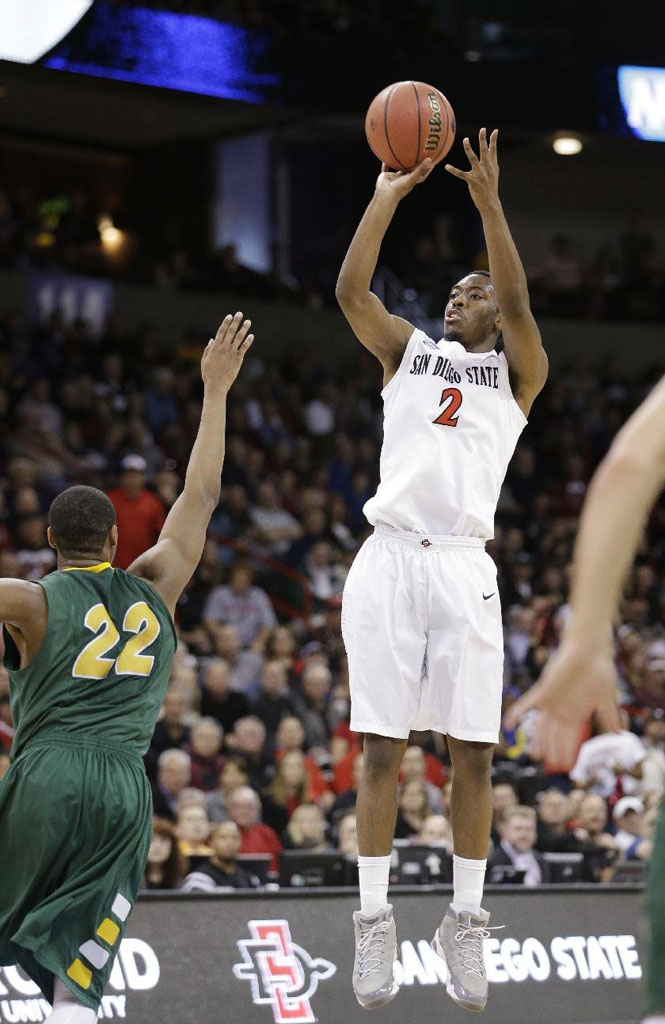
(75, 828)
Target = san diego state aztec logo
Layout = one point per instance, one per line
(281, 974)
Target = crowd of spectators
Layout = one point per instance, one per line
(623, 280)
(253, 751)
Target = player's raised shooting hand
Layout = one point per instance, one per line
(576, 682)
(483, 177)
(398, 184)
(225, 352)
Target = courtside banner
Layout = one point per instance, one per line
(564, 957)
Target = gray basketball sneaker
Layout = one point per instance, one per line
(376, 950)
(459, 941)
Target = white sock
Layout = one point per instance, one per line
(67, 1009)
(374, 873)
(659, 1019)
(468, 883)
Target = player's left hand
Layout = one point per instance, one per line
(223, 355)
(575, 683)
(483, 178)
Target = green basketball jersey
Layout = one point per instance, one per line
(104, 665)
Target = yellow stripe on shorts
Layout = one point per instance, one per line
(108, 931)
(79, 973)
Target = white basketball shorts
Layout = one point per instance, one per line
(421, 621)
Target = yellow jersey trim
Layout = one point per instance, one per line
(88, 568)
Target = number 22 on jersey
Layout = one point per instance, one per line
(140, 620)
(451, 400)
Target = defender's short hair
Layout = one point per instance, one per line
(80, 519)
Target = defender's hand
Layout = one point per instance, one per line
(575, 682)
(225, 352)
(483, 178)
(398, 184)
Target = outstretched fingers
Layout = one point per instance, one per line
(493, 142)
(468, 149)
(225, 326)
(456, 172)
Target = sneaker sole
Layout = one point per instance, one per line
(438, 949)
(381, 1001)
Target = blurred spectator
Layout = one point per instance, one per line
(205, 753)
(274, 527)
(245, 810)
(347, 835)
(653, 765)
(192, 829)
(174, 772)
(412, 809)
(222, 870)
(139, 512)
(599, 846)
(242, 605)
(436, 829)
(291, 736)
(560, 279)
(312, 706)
(218, 700)
(35, 557)
(231, 777)
(324, 574)
(166, 863)
(346, 800)
(288, 790)
(413, 770)
(504, 796)
(273, 702)
(171, 730)
(554, 836)
(610, 764)
(248, 745)
(628, 816)
(159, 405)
(516, 847)
(244, 666)
(306, 830)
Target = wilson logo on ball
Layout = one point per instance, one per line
(434, 133)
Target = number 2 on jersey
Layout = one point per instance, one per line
(452, 399)
(140, 620)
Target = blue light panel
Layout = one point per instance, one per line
(172, 51)
(642, 93)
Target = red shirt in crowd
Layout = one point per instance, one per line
(140, 521)
(261, 839)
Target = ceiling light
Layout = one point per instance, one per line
(567, 145)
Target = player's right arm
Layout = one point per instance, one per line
(378, 330)
(581, 677)
(170, 564)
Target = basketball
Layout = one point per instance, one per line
(407, 122)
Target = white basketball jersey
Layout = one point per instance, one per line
(451, 424)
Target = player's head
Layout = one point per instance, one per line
(472, 315)
(82, 525)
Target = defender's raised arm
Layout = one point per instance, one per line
(170, 564)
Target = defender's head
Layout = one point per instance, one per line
(472, 314)
(82, 525)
